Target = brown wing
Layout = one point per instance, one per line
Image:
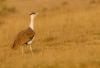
(23, 37)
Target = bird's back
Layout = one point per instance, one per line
(23, 37)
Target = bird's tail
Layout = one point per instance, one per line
(14, 46)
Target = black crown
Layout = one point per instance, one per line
(32, 13)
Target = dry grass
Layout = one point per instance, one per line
(4, 9)
(67, 34)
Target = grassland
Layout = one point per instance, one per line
(67, 34)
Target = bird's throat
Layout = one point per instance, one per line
(32, 23)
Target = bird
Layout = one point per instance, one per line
(25, 37)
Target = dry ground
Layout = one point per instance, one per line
(67, 34)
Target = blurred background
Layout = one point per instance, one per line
(67, 33)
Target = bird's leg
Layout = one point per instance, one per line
(22, 51)
(31, 49)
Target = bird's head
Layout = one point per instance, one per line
(33, 14)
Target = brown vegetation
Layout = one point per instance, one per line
(67, 34)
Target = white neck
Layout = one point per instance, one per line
(32, 22)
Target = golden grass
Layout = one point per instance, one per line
(67, 35)
(4, 9)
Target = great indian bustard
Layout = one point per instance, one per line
(25, 37)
